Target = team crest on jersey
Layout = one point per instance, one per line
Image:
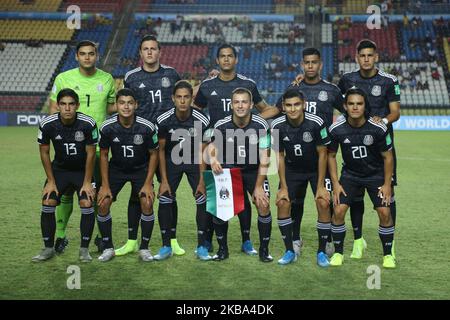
(137, 140)
(165, 82)
(192, 132)
(224, 194)
(368, 140)
(307, 137)
(100, 88)
(253, 139)
(323, 96)
(376, 91)
(79, 136)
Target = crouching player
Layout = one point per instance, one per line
(133, 142)
(368, 164)
(300, 141)
(74, 137)
(181, 131)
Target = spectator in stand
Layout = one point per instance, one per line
(436, 75)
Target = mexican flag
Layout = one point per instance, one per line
(224, 193)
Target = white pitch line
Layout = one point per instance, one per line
(424, 159)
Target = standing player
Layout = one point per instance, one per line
(322, 98)
(367, 164)
(153, 84)
(74, 137)
(181, 131)
(300, 141)
(215, 94)
(242, 140)
(133, 142)
(383, 91)
(95, 89)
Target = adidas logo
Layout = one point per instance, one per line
(77, 88)
(171, 131)
(230, 140)
(346, 140)
(286, 139)
(214, 93)
(116, 139)
(58, 137)
(141, 86)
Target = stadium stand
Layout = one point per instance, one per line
(95, 6)
(20, 5)
(349, 34)
(29, 69)
(212, 6)
(35, 29)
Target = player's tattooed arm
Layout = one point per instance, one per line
(322, 192)
(89, 172)
(282, 193)
(332, 168)
(147, 189)
(267, 111)
(214, 162)
(164, 185)
(50, 186)
(111, 108)
(259, 194)
(385, 191)
(201, 189)
(105, 191)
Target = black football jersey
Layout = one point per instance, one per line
(381, 89)
(129, 146)
(183, 138)
(299, 144)
(361, 147)
(153, 90)
(215, 95)
(69, 142)
(239, 147)
(321, 99)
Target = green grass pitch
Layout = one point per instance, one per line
(422, 241)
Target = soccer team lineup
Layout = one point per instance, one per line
(225, 139)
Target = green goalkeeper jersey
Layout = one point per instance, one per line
(95, 92)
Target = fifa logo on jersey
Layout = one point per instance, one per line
(224, 194)
(100, 88)
(74, 20)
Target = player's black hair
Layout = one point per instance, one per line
(183, 84)
(242, 90)
(358, 91)
(226, 46)
(86, 43)
(67, 92)
(293, 93)
(149, 37)
(366, 44)
(310, 52)
(125, 92)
